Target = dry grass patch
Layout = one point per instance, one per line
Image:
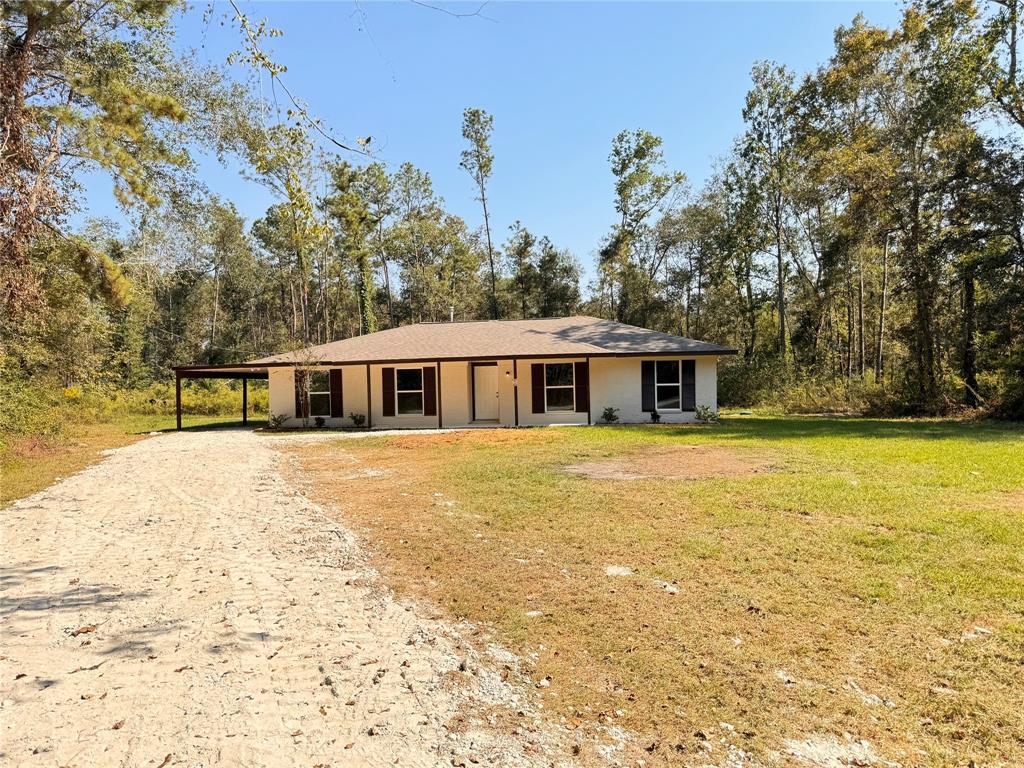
(677, 462)
(828, 603)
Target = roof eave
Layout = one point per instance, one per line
(457, 358)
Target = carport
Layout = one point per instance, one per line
(243, 372)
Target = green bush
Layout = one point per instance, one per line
(748, 383)
(202, 397)
(706, 414)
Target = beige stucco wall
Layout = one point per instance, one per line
(282, 394)
(614, 381)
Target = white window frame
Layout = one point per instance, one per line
(571, 385)
(408, 391)
(678, 383)
(311, 392)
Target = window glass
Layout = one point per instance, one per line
(558, 374)
(668, 398)
(669, 394)
(410, 403)
(667, 371)
(319, 383)
(558, 387)
(409, 379)
(319, 404)
(409, 391)
(560, 399)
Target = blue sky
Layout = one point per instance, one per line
(560, 79)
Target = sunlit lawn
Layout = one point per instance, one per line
(858, 568)
(31, 465)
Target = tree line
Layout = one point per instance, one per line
(865, 232)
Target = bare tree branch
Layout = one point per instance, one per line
(300, 108)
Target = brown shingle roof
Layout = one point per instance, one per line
(555, 337)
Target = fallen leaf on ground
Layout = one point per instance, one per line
(118, 725)
(84, 630)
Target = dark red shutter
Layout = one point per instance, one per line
(337, 396)
(299, 394)
(387, 378)
(649, 401)
(537, 387)
(689, 369)
(581, 379)
(429, 392)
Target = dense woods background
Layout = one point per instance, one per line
(862, 244)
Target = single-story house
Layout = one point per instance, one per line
(563, 370)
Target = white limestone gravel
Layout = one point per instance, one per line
(181, 603)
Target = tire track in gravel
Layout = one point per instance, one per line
(182, 598)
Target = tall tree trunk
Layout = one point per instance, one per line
(368, 320)
(780, 267)
(490, 253)
(860, 317)
(387, 275)
(970, 371)
(216, 305)
(750, 313)
(879, 366)
(924, 352)
(698, 325)
(848, 373)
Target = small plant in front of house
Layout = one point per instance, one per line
(276, 420)
(319, 421)
(358, 419)
(655, 417)
(610, 415)
(706, 414)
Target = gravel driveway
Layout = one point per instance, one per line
(180, 603)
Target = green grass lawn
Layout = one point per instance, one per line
(30, 465)
(835, 596)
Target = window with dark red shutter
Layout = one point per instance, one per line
(537, 387)
(582, 382)
(429, 392)
(689, 385)
(337, 395)
(387, 406)
(647, 395)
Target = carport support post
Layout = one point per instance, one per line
(245, 401)
(177, 397)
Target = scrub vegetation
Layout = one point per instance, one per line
(868, 585)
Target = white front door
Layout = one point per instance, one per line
(485, 392)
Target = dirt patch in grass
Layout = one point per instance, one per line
(468, 438)
(677, 462)
(34, 447)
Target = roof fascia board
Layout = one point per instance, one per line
(458, 358)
